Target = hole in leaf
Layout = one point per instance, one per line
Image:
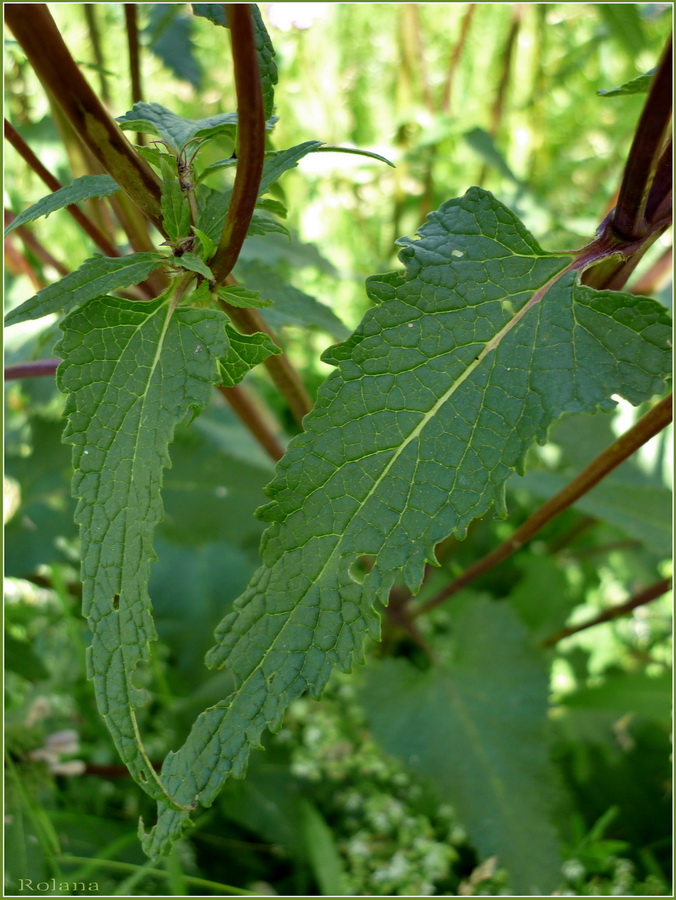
(116, 601)
(142, 776)
(360, 568)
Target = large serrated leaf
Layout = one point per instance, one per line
(83, 188)
(467, 359)
(477, 733)
(132, 372)
(95, 277)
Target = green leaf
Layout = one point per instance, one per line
(152, 118)
(355, 151)
(262, 224)
(291, 306)
(95, 277)
(272, 206)
(625, 24)
(542, 598)
(627, 692)
(639, 85)
(245, 352)
(477, 733)
(468, 357)
(170, 39)
(322, 852)
(132, 373)
(23, 660)
(175, 206)
(82, 188)
(194, 264)
(212, 208)
(277, 162)
(208, 245)
(267, 66)
(484, 146)
(239, 296)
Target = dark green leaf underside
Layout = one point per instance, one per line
(464, 362)
(132, 372)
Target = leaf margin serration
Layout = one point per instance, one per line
(89, 383)
(555, 282)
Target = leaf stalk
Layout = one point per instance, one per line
(614, 612)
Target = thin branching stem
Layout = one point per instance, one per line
(31, 243)
(251, 140)
(614, 612)
(455, 58)
(646, 428)
(133, 45)
(90, 13)
(83, 220)
(35, 30)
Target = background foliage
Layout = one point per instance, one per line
(375, 789)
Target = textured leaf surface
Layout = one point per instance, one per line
(236, 295)
(81, 189)
(468, 357)
(152, 118)
(245, 352)
(132, 373)
(95, 277)
(477, 733)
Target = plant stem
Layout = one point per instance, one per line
(656, 276)
(250, 136)
(95, 38)
(629, 218)
(33, 244)
(115, 866)
(455, 58)
(249, 414)
(34, 369)
(94, 232)
(614, 612)
(498, 108)
(620, 450)
(18, 264)
(131, 21)
(36, 32)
